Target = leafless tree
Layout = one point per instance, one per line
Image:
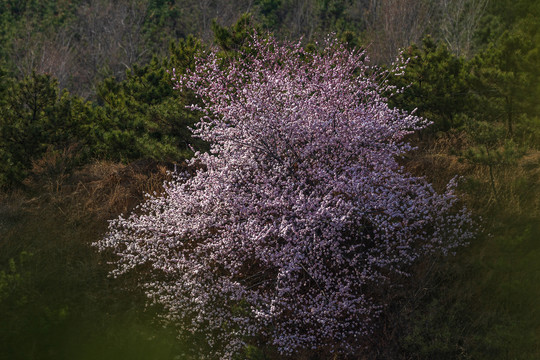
(198, 15)
(459, 22)
(110, 38)
(51, 53)
(107, 37)
(394, 24)
(301, 19)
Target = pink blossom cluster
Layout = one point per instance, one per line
(300, 217)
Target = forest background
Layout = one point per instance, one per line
(89, 122)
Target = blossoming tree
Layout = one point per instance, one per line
(299, 217)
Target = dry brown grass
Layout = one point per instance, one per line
(105, 189)
(517, 185)
(53, 169)
(437, 159)
(97, 192)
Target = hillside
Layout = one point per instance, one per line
(90, 123)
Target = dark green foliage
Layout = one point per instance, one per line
(36, 118)
(44, 12)
(143, 116)
(139, 117)
(164, 20)
(20, 19)
(269, 12)
(491, 149)
(311, 19)
(511, 12)
(435, 84)
(505, 76)
(235, 38)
